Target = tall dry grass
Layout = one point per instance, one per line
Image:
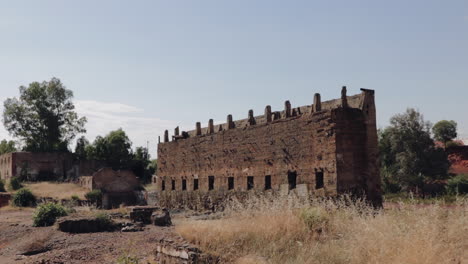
(56, 190)
(294, 231)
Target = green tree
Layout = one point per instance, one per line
(43, 116)
(408, 153)
(114, 149)
(7, 146)
(80, 149)
(141, 164)
(445, 131)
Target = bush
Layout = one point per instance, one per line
(94, 196)
(46, 214)
(75, 198)
(458, 184)
(105, 222)
(2, 186)
(127, 259)
(15, 184)
(451, 144)
(23, 197)
(315, 218)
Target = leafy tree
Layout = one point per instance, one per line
(114, 149)
(7, 146)
(43, 116)
(408, 153)
(445, 131)
(140, 164)
(80, 148)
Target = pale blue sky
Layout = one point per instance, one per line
(150, 65)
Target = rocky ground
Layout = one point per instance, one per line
(20, 242)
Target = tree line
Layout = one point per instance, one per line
(43, 119)
(410, 160)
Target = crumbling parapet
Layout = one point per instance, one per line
(268, 114)
(251, 118)
(230, 122)
(344, 98)
(198, 128)
(317, 103)
(210, 126)
(287, 109)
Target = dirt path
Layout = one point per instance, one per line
(22, 243)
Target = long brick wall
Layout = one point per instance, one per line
(323, 147)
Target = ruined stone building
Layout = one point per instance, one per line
(117, 186)
(41, 166)
(322, 149)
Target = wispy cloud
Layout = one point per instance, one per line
(103, 117)
(141, 128)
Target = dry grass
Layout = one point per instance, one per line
(151, 187)
(56, 190)
(331, 232)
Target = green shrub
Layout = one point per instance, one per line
(458, 184)
(104, 219)
(15, 184)
(23, 197)
(315, 218)
(46, 214)
(2, 186)
(105, 222)
(94, 196)
(75, 197)
(453, 144)
(127, 259)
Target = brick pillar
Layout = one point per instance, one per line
(317, 103)
(268, 113)
(287, 109)
(229, 122)
(210, 126)
(198, 127)
(344, 99)
(251, 118)
(166, 136)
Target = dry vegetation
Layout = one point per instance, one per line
(331, 232)
(56, 190)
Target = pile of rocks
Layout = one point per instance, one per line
(150, 215)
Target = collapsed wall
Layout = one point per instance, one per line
(328, 147)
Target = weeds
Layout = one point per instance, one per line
(297, 231)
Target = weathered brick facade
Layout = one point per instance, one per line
(37, 166)
(328, 147)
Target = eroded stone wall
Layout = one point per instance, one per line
(328, 147)
(299, 145)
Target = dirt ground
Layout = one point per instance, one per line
(20, 242)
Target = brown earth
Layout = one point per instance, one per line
(20, 242)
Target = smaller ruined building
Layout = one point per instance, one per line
(44, 166)
(117, 187)
(322, 149)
